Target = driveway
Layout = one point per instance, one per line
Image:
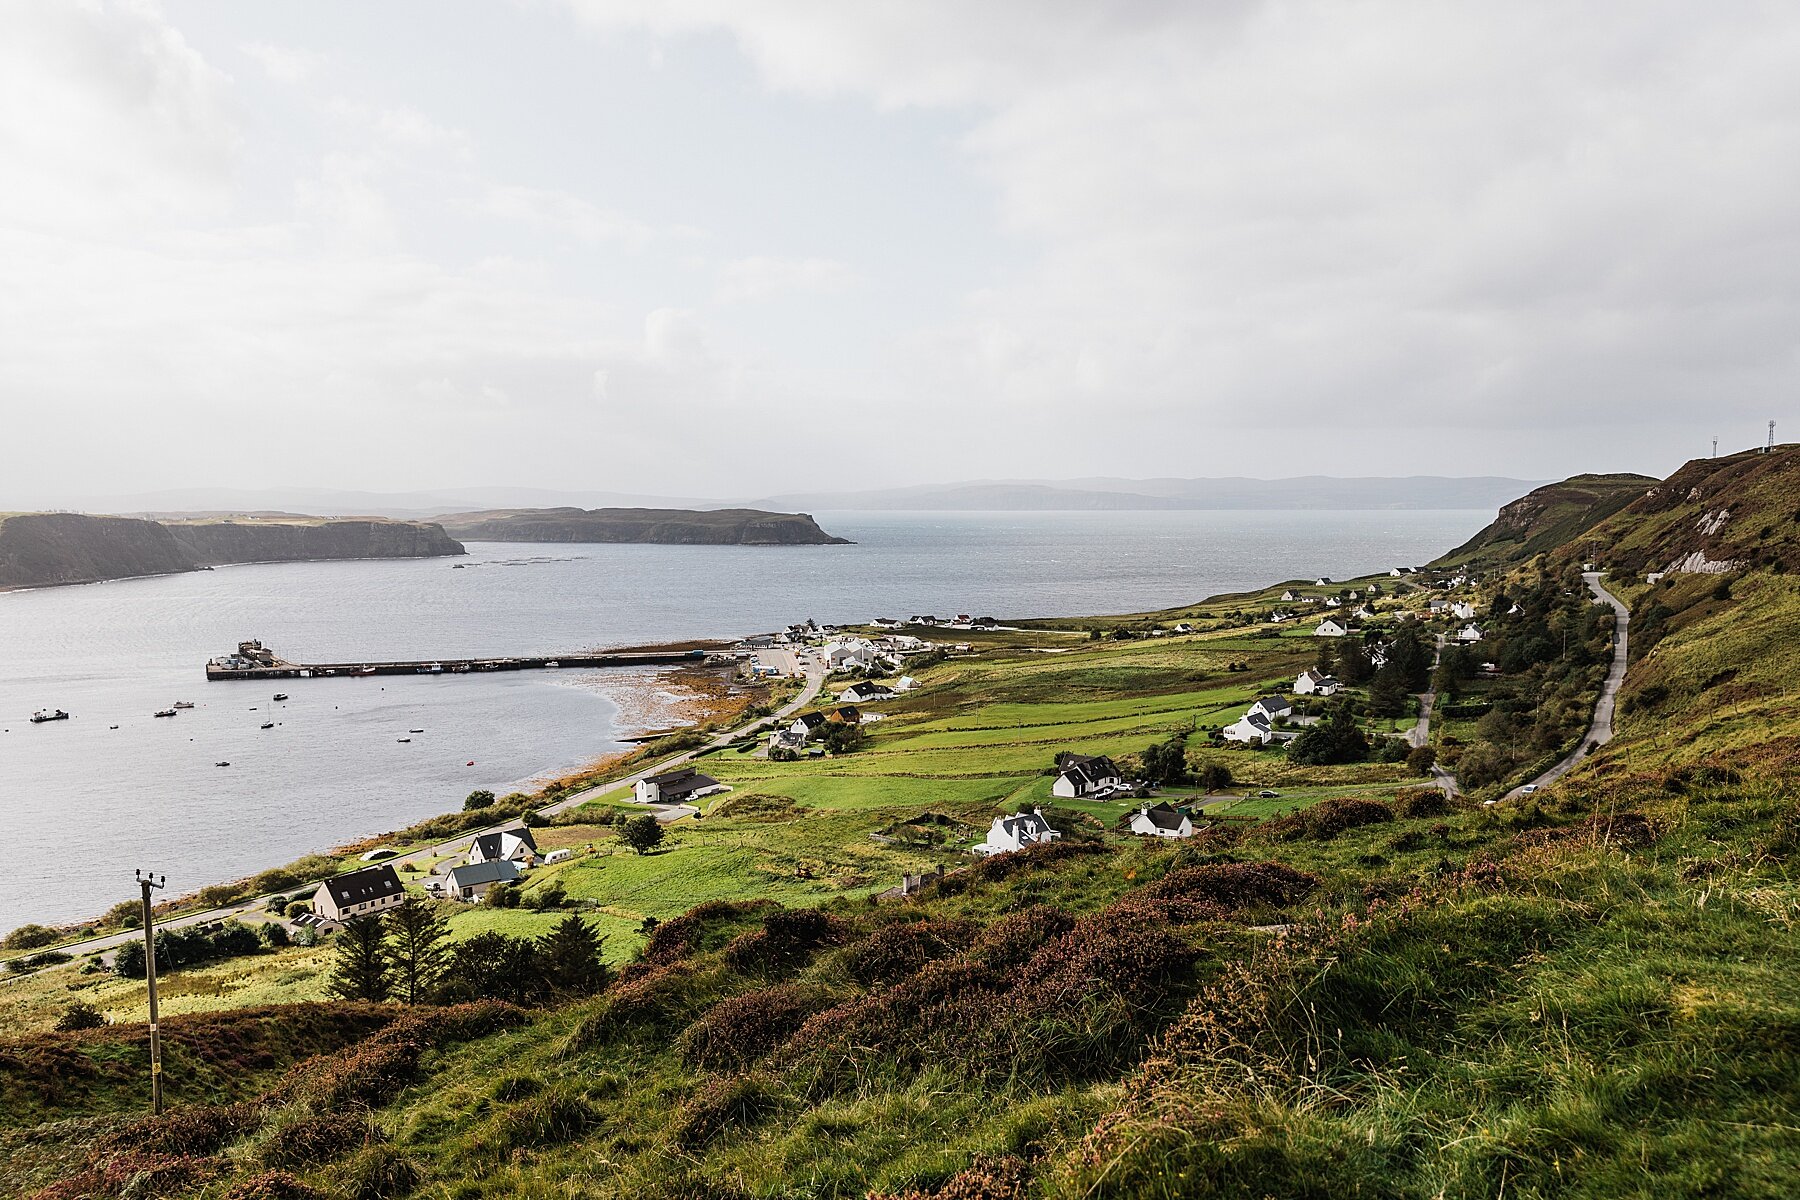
(815, 680)
(1600, 729)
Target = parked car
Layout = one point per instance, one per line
(1266, 794)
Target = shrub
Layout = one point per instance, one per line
(272, 1185)
(988, 1177)
(80, 1015)
(274, 935)
(309, 1141)
(200, 1130)
(735, 1102)
(788, 937)
(1191, 893)
(895, 951)
(1013, 939)
(478, 799)
(739, 1030)
(30, 937)
(1421, 802)
(1326, 819)
(684, 936)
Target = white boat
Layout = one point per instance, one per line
(48, 714)
(184, 704)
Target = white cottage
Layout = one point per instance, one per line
(1332, 627)
(1252, 728)
(1161, 820)
(1017, 832)
(1316, 683)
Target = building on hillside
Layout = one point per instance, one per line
(806, 725)
(1276, 708)
(906, 683)
(844, 714)
(1162, 819)
(472, 881)
(1291, 596)
(513, 845)
(1364, 612)
(865, 691)
(681, 786)
(1252, 729)
(1079, 775)
(1462, 610)
(1332, 627)
(1017, 832)
(360, 893)
(1316, 683)
(1469, 633)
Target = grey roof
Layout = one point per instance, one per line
(489, 843)
(1025, 823)
(1164, 816)
(360, 887)
(1088, 770)
(1275, 702)
(811, 720)
(500, 870)
(682, 782)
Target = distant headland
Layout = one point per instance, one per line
(665, 526)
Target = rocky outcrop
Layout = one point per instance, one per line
(667, 526)
(1548, 518)
(44, 549)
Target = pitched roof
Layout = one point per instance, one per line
(811, 720)
(492, 845)
(501, 870)
(1163, 815)
(360, 887)
(1275, 702)
(1027, 823)
(682, 782)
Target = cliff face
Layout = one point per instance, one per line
(38, 549)
(668, 526)
(41, 549)
(213, 543)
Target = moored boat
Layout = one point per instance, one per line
(165, 712)
(184, 704)
(48, 714)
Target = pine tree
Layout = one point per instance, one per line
(570, 958)
(362, 971)
(417, 937)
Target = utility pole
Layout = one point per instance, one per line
(1715, 452)
(146, 881)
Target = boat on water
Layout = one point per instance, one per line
(281, 695)
(184, 704)
(366, 671)
(552, 663)
(48, 714)
(221, 764)
(403, 739)
(267, 725)
(415, 731)
(164, 712)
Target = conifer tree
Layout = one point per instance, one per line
(417, 937)
(570, 958)
(361, 970)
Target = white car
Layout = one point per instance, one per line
(1528, 789)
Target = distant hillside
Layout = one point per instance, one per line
(666, 526)
(1547, 519)
(1304, 492)
(1711, 516)
(42, 549)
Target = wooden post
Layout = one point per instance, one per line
(146, 882)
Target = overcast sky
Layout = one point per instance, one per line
(715, 247)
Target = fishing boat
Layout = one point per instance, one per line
(553, 664)
(221, 764)
(281, 695)
(165, 712)
(403, 739)
(184, 704)
(415, 731)
(267, 725)
(48, 714)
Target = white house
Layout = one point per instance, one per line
(1182, 627)
(1322, 581)
(358, 894)
(514, 845)
(850, 654)
(885, 623)
(1364, 612)
(1291, 596)
(906, 684)
(1251, 728)
(1273, 707)
(1332, 627)
(865, 691)
(473, 881)
(1333, 602)
(806, 725)
(1080, 775)
(1017, 832)
(1316, 683)
(1161, 819)
(1462, 610)
(1469, 633)
(680, 786)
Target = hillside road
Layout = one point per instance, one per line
(1600, 729)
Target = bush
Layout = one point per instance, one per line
(1326, 819)
(272, 1185)
(643, 833)
(1421, 802)
(273, 935)
(741, 1029)
(1420, 759)
(895, 951)
(80, 1015)
(30, 937)
(788, 937)
(477, 800)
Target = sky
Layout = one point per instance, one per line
(736, 247)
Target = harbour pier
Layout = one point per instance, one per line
(254, 661)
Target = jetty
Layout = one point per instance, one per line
(253, 660)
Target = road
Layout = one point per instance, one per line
(815, 681)
(1420, 734)
(1600, 730)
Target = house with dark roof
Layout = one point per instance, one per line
(471, 881)
(513, 845)
(1161, 819)
(358, 894)
(806, 725)
(1251, 728)
(1017, 832)
(845, 714)
(680, 786)
(1274, 707)
(1079, 775)
(865, 691)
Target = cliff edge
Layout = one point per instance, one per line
(667, 526)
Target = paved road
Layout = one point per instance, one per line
(1600, 730)
(815, 680)
(1420, 734)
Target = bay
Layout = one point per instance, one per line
(83, 804)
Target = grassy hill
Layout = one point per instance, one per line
(670, 526)
(1354, 988)
(1546, 519)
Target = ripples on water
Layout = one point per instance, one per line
(83, 804)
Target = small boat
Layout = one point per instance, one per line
(267, 725)
(48, 714)
(221, 764)
(167, 712)
(366, 671)
(415, 731)
(112, 726)
(281, 695)
(403, 739)
(184, 704)
(552, 664)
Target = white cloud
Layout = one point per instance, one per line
(759, 277)
(562, 214)
(284, 64)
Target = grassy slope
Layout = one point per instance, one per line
(1548, 518)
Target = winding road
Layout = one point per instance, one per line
(1600, 729)
(815, 681)
(1420, 734)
